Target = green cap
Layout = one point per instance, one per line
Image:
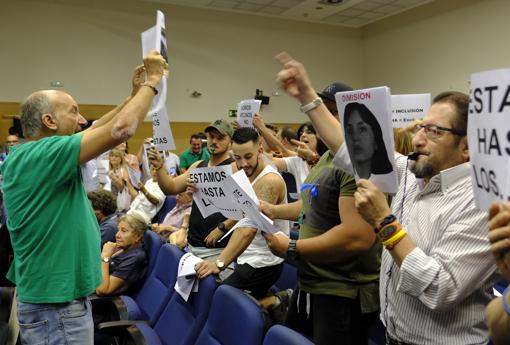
(221, 126)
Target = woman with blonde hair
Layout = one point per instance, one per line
(119, 178)
(124, 262)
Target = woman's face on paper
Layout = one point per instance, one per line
(359, 137)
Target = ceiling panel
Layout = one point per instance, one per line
(350, 13)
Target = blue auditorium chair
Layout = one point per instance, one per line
(154, 295)
(168, 205)
(281, 335)
(180, 322)
(152, 244)
(235, 318)
(287, 279)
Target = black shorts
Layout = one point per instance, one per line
(255, 280)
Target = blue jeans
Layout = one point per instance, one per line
(56, 323)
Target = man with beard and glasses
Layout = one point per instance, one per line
(437, 271)
(257, 268)
(202, 233)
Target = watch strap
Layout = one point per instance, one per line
(292, 252)
(312, 105)
(220, 264)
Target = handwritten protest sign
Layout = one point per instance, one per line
(489, 136)
(155, 38)
(366, 122)
(245, 111)
(212, 194)
(407, 108)
(231, 195)
(243, 193)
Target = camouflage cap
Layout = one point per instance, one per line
(221, 126)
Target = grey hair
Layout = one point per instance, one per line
(32, 110)
(135, 221)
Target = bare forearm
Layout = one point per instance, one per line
(327, 127)
(498, 321)
(273, 142)
(132, 191)
(102, 289)
(288, 211)
(167, 183)
(334, 246)
(110, 115)
(152, 199)
(240, 240)
(118, 182)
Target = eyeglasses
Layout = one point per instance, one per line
(434, 132)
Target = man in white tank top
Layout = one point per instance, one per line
(257, 268)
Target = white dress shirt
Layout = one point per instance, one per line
(439, 294)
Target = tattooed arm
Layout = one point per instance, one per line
(270, 188)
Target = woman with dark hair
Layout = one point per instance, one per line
(309, 149)
(365, 143)
(310, 138)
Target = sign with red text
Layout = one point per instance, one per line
(367, 124)
(489, 136)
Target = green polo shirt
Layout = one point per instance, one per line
(349, 278)
(54, 233)
(187, 158)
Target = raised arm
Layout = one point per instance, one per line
(168, 184)
(125, 123)
(137, 80)
(272, 141)
(294, 80)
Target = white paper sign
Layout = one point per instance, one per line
(211, 196)
(245, 111)
(366, 122)
(407, 108)
(187, 281)
(489, 136)
(244, 195)
(155, 38)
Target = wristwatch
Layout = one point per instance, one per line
(220, 264)
(106, 259)
(292, 252)
(311, 106)
(222, 227)
(387, 220)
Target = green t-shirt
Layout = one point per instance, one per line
(54, 233)
(349, 278)
(187, 158)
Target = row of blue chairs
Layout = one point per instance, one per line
(158, 315)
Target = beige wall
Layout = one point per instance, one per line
(92, 48)
(423, 51)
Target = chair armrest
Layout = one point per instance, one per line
(117, 326)
(108, 309)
